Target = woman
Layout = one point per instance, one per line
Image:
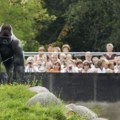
(30, 67)
(109, 55)
(56, 67)
(117, 70)
(41, 55)
(102, 65)
(86, 67)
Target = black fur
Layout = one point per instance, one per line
(11, 54)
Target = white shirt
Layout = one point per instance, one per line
(101, 70)
(31, 69)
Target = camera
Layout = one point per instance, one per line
(29, 62)
(70, 67)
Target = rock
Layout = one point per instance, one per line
(44, 98)
(82, 111)
(110, 110)
(38, 89)
(100, 119)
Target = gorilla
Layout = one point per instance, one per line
(11, 54)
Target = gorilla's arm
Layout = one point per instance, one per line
(18, 59)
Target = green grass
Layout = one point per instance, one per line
(13, 106)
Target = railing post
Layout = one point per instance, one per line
(95, 88)
(51, 82)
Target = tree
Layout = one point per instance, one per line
(91, 23)
(25, 16)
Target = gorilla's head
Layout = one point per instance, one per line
(5, 34)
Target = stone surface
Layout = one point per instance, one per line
(100, 119)
(38, 89)
(82, 111)
(44, 98)
(108, 110)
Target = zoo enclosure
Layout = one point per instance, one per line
(78, 86)
(84, 87)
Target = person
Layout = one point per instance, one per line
(41, 65)
(110, 68)
(86, 67)
(50, 48)
(117, 60)
(101, 64)
(29, 67)
(70, 67)
(65, 48)
(109, 54)
(56, 49)
(79, 64)
(63, 60)
(54, 58)
(88, 57)
(117, 70)
(56, 68)
(69, 57)
(40, 55)
(48, 66)
(94, 62)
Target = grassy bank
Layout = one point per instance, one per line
(13, 106)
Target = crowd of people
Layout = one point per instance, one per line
(59, 60)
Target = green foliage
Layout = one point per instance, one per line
(25, 16)
(13, 106)
(97, 110)
(51, 35)
(92, 23)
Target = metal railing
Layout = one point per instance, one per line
(73, 53)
